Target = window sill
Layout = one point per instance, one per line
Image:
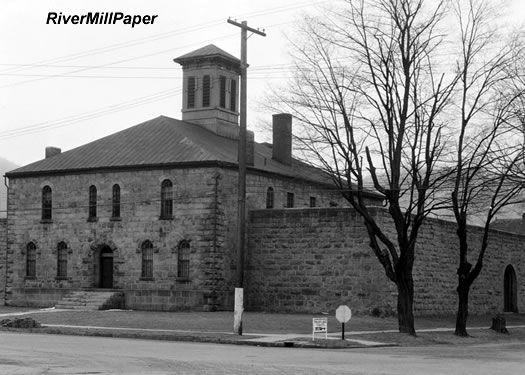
(165, 217)
(92, 219)
(30, 278)
(183, 280)
(147, 279)
(61, 278)
(46, 221)
(115, 218)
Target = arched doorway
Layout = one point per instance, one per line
(510, 294)
(106, 267)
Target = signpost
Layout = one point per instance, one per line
(320, 325)
(343, 315)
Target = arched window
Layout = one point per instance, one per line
(233, 95)
(222, 91)
(206, 88)
(92, 202)
(191, 92)
(147, 260)
(115, 202)
(62, 260)
(166, 200)
(30, 260)
(47, 203)
(183, 260)
(269, 197)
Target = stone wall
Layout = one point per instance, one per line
(3, 249)
(194, 219)
(256, 187)
(205, 213)
(312, 260)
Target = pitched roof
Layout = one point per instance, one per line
(209, 51)
(164, 141)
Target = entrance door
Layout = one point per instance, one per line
(510, 290)
(106, 268)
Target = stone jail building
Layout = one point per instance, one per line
(152, 211)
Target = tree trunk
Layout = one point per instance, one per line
(405, 302)
(462, 314)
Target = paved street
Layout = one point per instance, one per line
(50, 354)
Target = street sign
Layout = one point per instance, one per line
(320, 325)
(343, 314)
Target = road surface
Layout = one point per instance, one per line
(22, 353)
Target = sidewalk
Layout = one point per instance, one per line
(284, 330)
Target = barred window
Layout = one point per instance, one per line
(47, 203)
(183, 260)
(269, 197)
(206, 87)
(31, 260)
(191, 92)
(92, 202)
(313, 202)
(233, 95)
(166, 200)
(289, 200)
(222, 91)
(62, 260)
(115, 202)
(147, 260)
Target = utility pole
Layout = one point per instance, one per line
(241, 212)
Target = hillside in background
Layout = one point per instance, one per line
(5, 166)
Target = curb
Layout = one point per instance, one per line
(246, 340)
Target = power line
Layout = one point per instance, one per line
(133, 42)
(67, 121)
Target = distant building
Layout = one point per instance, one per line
(510, 225)
(152, 210)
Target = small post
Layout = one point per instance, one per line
(343, 331)
(237, 312)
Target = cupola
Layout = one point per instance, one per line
(211, 89)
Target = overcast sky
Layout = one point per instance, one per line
(66, 85)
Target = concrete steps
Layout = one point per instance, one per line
(91, 300)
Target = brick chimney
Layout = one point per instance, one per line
(282, 138)
(52, 151)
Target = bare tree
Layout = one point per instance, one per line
(370, 105)
(489, 149)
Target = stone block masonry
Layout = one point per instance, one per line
(312, 260)
(194, 206)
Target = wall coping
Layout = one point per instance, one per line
(336, 211)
